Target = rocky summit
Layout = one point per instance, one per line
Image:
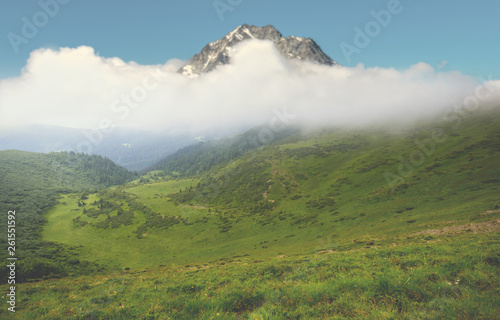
(218, 52)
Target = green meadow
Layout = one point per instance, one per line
(327, 224)
(425, 277)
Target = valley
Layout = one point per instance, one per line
(249, 160)
(306, 226)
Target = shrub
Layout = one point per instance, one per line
(38, 268)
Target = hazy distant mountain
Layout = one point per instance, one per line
(130, 148)
(218, 52)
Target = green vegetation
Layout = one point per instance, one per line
(363, 182)
(196, 159)
(442, 278)
(332, 223)
(31, 183)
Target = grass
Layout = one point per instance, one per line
(204, 230)
(127, 250)
(154, 195)
(303, 230)
(445, 278)
(327, 185)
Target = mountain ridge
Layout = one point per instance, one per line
(218, 52)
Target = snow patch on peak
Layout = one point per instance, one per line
(230, 35)
(211, 44)
(249, 33)
(297, 38)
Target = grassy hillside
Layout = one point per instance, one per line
(283, 198)
(196, 159)
(331, 223)
(369, 182)
(30, 183)
(445, 276)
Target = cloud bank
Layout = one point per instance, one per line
(75, 87)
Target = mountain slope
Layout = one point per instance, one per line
(280, 198)
(30, 183)
(218, 52)
(196, 159)
(132, 149)
(450, 278)
(372, 176)
(328, 223)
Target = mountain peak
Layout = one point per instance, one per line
(218, 52)
(253, 32)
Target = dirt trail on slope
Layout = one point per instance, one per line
(480, 227)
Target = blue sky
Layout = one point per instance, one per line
(463, 33)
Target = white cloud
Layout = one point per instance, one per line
(75, 87)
